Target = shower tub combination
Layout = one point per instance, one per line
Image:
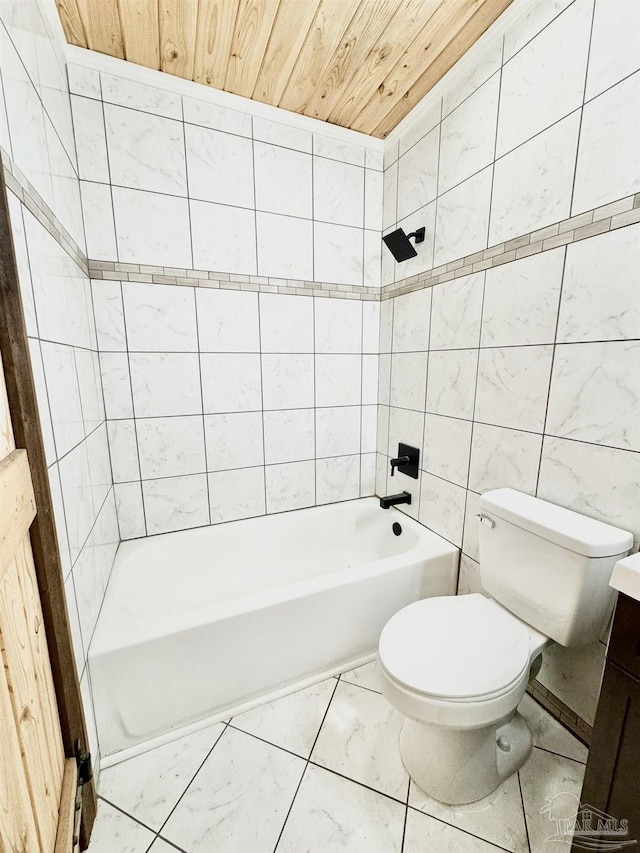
(200, 623)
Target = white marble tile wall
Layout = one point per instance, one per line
(178, 182)
(523, 376)
(225, 404)
(545, 127)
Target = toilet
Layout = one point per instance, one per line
(457, 667)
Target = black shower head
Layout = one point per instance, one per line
(399, 243)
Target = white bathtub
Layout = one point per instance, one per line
(197, 623)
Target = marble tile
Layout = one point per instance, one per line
(344, 152)
(170, 446)
(100, 481)
(373, 189)
(471, 531)
(287, 381)
(615, 45)
(374, 159)
(370, 379)
(468, 136)
(367, 474)
(236, 494)
(390, 196)
(290, 486)
(289, 435)
(65, 199)
(334, 814)
(219, 167)
(146, 152)
(359, 739)
(390, 153)
(424, 217)
(368, 429)
(608, 167)
(234, 440)
(452, 383)
(600, 282)
(281, 134)
(162, 846)
(442, 507)
(528, 25)
(371, 270)
(140, 96)
(88, 125)
(337, 431)
(497, 818)
(550, 789)
(116, 384)
(462, 218)
(468, 576)
(338, 325)
(59, 518)
(367, 675)
(74, 623)
(338, 253)
(504, 458)
(224, 238)
(99, 226)
(418, 175)
(530, 97)
(123, 449)
(285, 246)
(388, 265)
(549, 734)
(337, 479)
(601, 482)
(446, 449)
(176, 503)
(532, 184)
(456, 313)
(425, 833)
(291, 722)
(152, 228)
(338, 380)
(484, 67)
(64, 396)
(286, 323)
(114, 830)
(574, 676)
(513, 384)
(42, 397)
(595, 393)
(165, 384)
(387, 310)
(90, 387)
(382, 438)
(231, 382)
(75, 481)
(218, 118)
(218, 326)
(109, 314)
(408, 380)
(150, 785)
(283, 181)
(338, 193)
(130, 510)
(521, 300)
(370, 327)
(411, 321)
(83, 81)
(16, 209)
(404, 426)
(159, 317)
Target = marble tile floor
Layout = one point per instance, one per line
(319, 771)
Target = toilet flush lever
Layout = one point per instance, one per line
(484, 519)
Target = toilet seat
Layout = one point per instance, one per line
(455, 649)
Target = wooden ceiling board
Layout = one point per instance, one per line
(361, 64)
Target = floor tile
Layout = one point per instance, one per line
(291, 722)
(359, 738)
(549, 733)
(331, 814)
(424, 834)
(149, 785)
(498, 818)
(550, 789)
(239, 799)
(366, 675)
(114, 830)
(162, 846)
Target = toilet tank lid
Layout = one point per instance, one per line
(556, 524)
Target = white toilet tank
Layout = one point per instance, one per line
(548, 565)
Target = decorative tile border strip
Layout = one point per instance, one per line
(116, 271)
(617, 214)
(33, 201)
(576, 725)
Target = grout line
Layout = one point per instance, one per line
(406, 815)
(524, 812)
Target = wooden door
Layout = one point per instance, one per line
(34, 814)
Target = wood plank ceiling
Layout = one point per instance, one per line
(361, 64)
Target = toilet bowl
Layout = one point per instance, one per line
(457, 668)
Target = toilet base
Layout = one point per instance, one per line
(461, 766)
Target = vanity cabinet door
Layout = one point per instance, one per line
(624, 646)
